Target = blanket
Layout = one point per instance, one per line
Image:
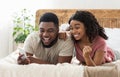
(106, 70)
(10, 68)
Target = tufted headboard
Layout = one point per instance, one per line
(107, 18)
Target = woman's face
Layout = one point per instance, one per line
(77, 29)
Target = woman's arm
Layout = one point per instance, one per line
(98, 58)
(63, 34)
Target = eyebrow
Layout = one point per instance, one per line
(48, 28)
(77, 24)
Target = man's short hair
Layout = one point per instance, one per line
(49, 17)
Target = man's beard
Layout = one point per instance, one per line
(51, 44)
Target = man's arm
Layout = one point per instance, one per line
(35, 60)
(63, 59)
(38, 61)
(30, 59)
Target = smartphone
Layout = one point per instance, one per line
(22, 52)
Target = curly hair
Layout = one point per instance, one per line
(91, 24)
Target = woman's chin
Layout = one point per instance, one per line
(77, 39)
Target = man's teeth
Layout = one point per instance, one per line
(46, 39)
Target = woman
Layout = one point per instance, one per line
(89, 39)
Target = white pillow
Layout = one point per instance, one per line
(63, 27)
(113, 38)
(11, 58)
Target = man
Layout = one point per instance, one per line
(45, 45)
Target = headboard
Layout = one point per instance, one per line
(107, 18)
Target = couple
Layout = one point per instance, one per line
(87, 36)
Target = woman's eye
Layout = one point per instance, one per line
(71, 28)
(77, 27)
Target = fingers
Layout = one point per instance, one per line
(23, 60)
(28, 60)
(87, 49)
(63, 35)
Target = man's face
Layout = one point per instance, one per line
(48, 32)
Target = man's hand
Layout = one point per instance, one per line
(22, 60)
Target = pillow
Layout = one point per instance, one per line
(113, 38)
(11, 58)
(117, 54)
(64, 27)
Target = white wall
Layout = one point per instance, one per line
(8, 7)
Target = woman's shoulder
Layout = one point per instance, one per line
(99, 39)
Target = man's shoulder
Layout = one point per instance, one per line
(68, 40)
(34, 36)
(35, 33)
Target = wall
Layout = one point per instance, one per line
(8, 7)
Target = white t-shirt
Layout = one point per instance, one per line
(34, 46)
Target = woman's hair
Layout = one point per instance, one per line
(91, 24)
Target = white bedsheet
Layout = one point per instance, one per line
(106, 70)
(9, 68)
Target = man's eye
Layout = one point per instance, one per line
(41, 30)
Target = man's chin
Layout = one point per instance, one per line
(46, 43)
(49, 44)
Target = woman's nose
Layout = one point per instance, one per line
(74, 30)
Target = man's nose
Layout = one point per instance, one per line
(45, 34)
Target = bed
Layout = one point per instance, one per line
(10, 68)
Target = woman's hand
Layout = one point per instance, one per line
(87, 51)
(63, 35)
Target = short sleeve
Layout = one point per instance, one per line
(29, 43)
(67, 48)
(100, 44)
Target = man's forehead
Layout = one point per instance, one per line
(47, 25)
